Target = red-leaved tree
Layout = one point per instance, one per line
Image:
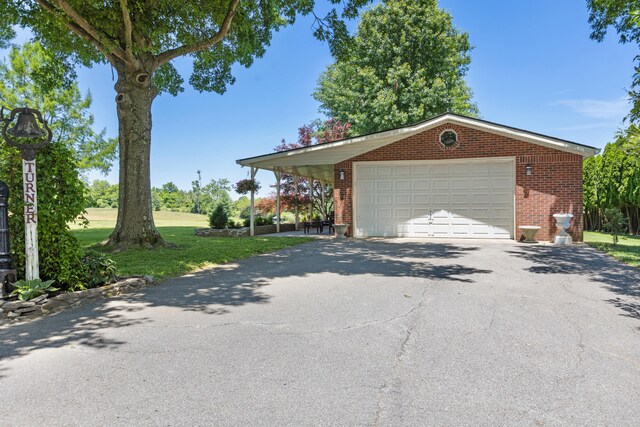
(316, 132)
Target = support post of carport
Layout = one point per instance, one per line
(278, 176)
(295, 184)
(322, 205)
(252, 217)
(310, 199)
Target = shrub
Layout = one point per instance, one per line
(97, 269)
(259, 220)
(219, 217)
(61, 199)
(615, 223)
(235, 224)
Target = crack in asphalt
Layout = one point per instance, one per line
(404, 344)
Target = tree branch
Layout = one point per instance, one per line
(203, 44)
(126, 18)
(80, 32)
(78, 22)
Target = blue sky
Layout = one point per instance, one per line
(533, 67)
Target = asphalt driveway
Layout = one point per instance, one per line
(346, 333)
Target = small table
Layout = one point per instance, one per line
(529, 233)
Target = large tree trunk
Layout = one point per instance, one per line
(135, 226)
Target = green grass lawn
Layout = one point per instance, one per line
(106, 218)
(627, 250)
(190, 253)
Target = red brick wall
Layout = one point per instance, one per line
(555, 185)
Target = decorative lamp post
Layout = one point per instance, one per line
(6, 272)
(29, 134)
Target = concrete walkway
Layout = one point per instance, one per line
(345, 333)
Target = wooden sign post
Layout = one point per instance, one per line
(30, 219)
(28, 136)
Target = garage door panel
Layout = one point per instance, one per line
(422, 199)
(384, 199)
(440, 199)
(403, 185)
(366, 186)
(421, 171)
(366, 215)
(384, 185)
(501, 183)
(384, 171)
(386, 229)
(481, 184)
(401, 171)
(460, 184)
(503, 169)
(366, 171)
(475, 170)
(452, 199)
(402, 213)
(440, 170)
(459, 199)
(402, 199)
(421, 185)
(366, 200)
(384, 213)
(441, 184)
(502, 198)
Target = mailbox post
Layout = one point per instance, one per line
(29, 134)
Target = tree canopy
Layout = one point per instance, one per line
(407, 63)
(147, 34)
(24, 79)
(140, 38)
(624, 17)
(612, 180)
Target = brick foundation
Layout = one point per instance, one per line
(554, 186)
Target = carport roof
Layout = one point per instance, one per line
(317, 161)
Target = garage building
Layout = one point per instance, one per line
(451, 176)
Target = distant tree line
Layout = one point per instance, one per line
(201, 199)
(612, 180)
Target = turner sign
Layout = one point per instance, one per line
(30, 192)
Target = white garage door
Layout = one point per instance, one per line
(471, 198)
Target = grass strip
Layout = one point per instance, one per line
(189, 254)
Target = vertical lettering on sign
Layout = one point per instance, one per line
(30, 219)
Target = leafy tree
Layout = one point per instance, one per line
(407, 64)
(139, 39)
(101, 194)
(615, 222)
(316, 132)
(62, 105)
(624, 16)
(215, 191)
(196, 194)
(266, 206)
(241, 208)
(612, 181)
(171, 198)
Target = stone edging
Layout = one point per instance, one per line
(17, 311)
(239, 232)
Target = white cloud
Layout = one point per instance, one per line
(595, 109)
